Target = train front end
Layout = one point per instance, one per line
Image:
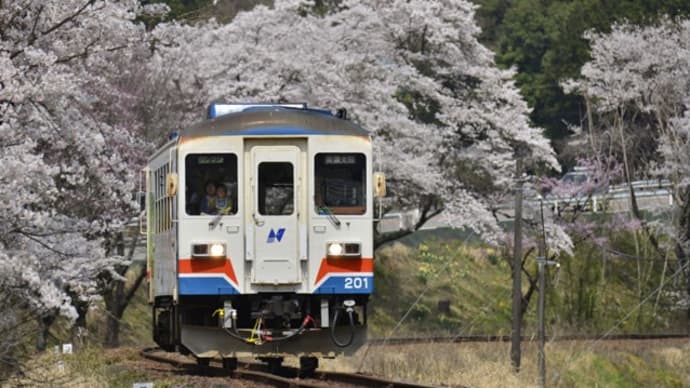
(269, 250)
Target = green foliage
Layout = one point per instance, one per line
(489, 18)
(579, 301)
(543, 39)
(591, 293)
(444, 270)
(194, 10)
(321, 7)
(179, 9)
(421, 109)
(474, 175)
(135, 328)
(600, 285)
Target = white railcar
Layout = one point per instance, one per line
(259, 233)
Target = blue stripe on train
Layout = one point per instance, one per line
(205, 286)
(347, 285)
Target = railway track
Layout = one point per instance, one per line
(507, 338)
(287, 377)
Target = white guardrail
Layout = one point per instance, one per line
(649, 194)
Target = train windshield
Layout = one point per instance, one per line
(276, 189)
(340, 183)
(211, 184)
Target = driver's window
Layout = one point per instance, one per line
(211, 184)
(340, 181)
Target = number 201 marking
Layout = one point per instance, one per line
(356, 283)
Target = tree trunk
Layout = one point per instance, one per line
(429, 209)
(44, 323)
(116, 301)
(634, 209)
(79, 328)
(112, 336)
(114, 314)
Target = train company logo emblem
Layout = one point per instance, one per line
(274, 236)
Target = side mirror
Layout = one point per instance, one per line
(379, 185)
(171, 184)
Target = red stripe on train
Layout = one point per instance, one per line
(208, 266)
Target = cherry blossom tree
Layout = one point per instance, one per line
(638, 81)
(68, 158)
(447, 123)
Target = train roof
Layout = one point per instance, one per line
(275, 121)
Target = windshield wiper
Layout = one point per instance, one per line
(215, 221)
(331, 216)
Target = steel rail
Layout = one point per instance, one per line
(506, 338)
(363, 380)
(358, 379)
(266, 378)
(258, 372)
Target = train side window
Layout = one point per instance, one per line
(211, 184)
(276, 189)
(340, 183)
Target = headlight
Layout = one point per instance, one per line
(335, 249)
(209, 250)
(217, 250)
(340, 249)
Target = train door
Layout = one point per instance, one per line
(275, 184)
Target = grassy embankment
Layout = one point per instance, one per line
(590, 294)
(569, 364)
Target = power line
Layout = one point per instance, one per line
(624, 255)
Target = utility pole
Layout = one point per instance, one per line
(542, 263)
(517, 270)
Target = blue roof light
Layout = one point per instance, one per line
(220, 109)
